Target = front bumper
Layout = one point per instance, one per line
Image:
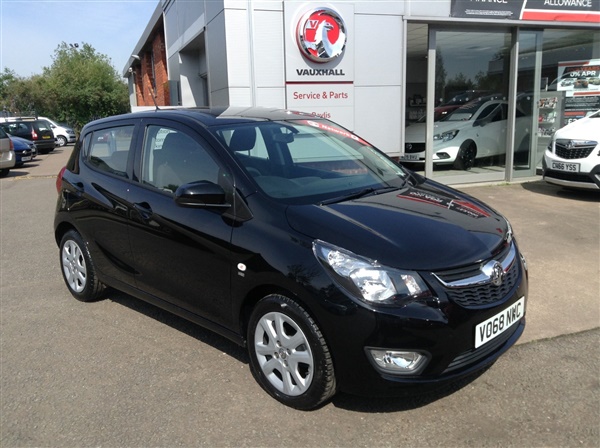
(587, 178)
(440, 155)
(7, 159)
(440, 328)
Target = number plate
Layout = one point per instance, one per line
(25, 159)
(498, 324)
(410, 157)
(565, 166)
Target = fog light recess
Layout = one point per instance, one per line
(442, 155)
(398, 361)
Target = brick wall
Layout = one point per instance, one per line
(155, 82)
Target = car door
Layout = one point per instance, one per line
(182, 253)
(98, 202)
(491, 130)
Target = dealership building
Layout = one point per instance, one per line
(388, 70)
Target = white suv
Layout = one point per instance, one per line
(63, 134)
(572, 158)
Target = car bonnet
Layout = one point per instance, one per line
(582, 129)
(417, 228)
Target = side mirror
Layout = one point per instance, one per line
(202, 194)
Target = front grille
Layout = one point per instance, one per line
(473, 287)
(475, 354)
(411, 148)
(565, 149)
(487, 294)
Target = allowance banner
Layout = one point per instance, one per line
(539, 10)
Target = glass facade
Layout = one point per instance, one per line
(486, 101)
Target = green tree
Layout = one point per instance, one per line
(82, 85)
(79, 86)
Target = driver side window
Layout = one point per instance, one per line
(173, 158)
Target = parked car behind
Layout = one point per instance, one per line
(337, 268)
(64, 134)
(7, 153)
(473, 131)
(38, 131)
(25, 150)
(572, 158)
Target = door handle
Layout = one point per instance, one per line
(144, 209)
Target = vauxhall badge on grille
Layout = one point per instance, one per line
(497, 274)
(321, 35)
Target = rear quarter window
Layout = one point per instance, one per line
(108, 149)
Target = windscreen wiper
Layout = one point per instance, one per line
(358, 194)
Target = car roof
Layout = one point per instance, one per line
(215, 116)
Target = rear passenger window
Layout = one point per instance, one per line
(109, 149)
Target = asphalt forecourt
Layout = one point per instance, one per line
(122, 372)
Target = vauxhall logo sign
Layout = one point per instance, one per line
(321, 37)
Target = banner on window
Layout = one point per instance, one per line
(539, 10)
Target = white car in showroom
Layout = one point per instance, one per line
(473, 131)
(572, 158)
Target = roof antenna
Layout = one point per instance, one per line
(153, 98)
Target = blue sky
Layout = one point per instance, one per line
(30, 30)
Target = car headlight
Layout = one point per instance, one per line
(445, 136)
(366, 279)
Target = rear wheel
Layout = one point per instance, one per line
(465, 159)
(289, 357)
(4, 173)
(78, 269)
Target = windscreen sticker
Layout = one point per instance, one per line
(338, 131)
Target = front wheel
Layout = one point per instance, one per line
(465, 159)
(61, 140)
(78, 269)
(289, 357)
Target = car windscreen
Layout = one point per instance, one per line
(463, 113)
(309, 161)
(43, 125)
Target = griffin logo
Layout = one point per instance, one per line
(321, 35)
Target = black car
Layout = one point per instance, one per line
(286, 233)
(38, 131)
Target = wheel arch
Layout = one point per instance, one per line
(260, 292)
(468, 142)
(61, 229)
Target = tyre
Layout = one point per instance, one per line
(289, 357)
(61, 140)
(465, 158)
(4, 172)
(78, 269)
